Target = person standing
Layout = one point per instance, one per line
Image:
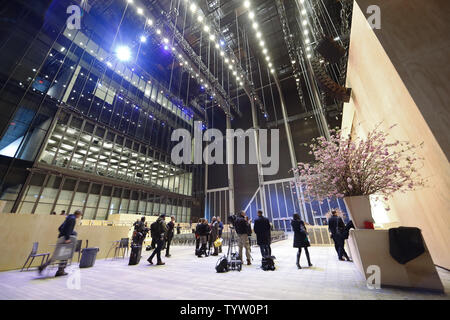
(214, 235)
(159, 234)
(66, 230)
(197, 235)
(63, 213)
(242, 232)
(178, 229)
(203, 232)
(263, 236)
(337, 230)
(170, 233)
(300, 238)
(220, 231)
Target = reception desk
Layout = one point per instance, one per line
(371, 247)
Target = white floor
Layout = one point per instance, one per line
(187, 277)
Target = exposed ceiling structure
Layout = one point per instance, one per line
(220, 50)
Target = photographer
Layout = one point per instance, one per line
(242, 230)
(203, 232)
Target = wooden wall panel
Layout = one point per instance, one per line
(381, 95)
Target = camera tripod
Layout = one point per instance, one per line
(234, 261)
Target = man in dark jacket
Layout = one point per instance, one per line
(241, 226)
(159, 234)
(336, 227)
(66, 230)
(262, 231)
(203, 232)
(170, 233)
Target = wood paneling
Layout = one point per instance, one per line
(381, 95)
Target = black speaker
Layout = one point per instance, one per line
(328, 85)
(331, 50)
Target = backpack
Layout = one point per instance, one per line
(268, 264)
(156, 230)
(222, 265)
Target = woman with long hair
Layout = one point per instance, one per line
(300, 238)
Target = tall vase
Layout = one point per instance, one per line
(359, 210)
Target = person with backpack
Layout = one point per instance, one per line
(300, 238)
(66, 231)
(158, 230)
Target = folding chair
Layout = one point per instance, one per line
(33, 254)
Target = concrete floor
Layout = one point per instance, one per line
(187, 277)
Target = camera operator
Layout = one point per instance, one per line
(242, 230)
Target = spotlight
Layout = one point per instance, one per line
(123, 53)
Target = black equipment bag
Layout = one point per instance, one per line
(222, 265)
(135, 255)
(268, 264)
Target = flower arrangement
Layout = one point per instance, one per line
(371, 166)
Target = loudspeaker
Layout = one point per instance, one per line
(328, 85)
(331, 50)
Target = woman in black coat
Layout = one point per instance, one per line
(300, 238)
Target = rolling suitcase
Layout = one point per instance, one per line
(135, 255)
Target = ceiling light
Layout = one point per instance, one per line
(293, 61)
(206, 28)
(261, 43)
(158, 31)
(255, 25)
(143, 39)
(272, 70)
(123, 53)
(308, 55)
(251, 15)
(267, 58)
(241, 83)
(270, 64)
(247, 4)
(140, 11)
(150, 22)
(222, 53)
(193, 7)
(305, 32)
(199, 18)
(307, 40)
(217, 46)
(258, 34)
(304, 22)
(212, 37)
(226, 60)
(165, 40)
(264, 50)
(308, 48)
